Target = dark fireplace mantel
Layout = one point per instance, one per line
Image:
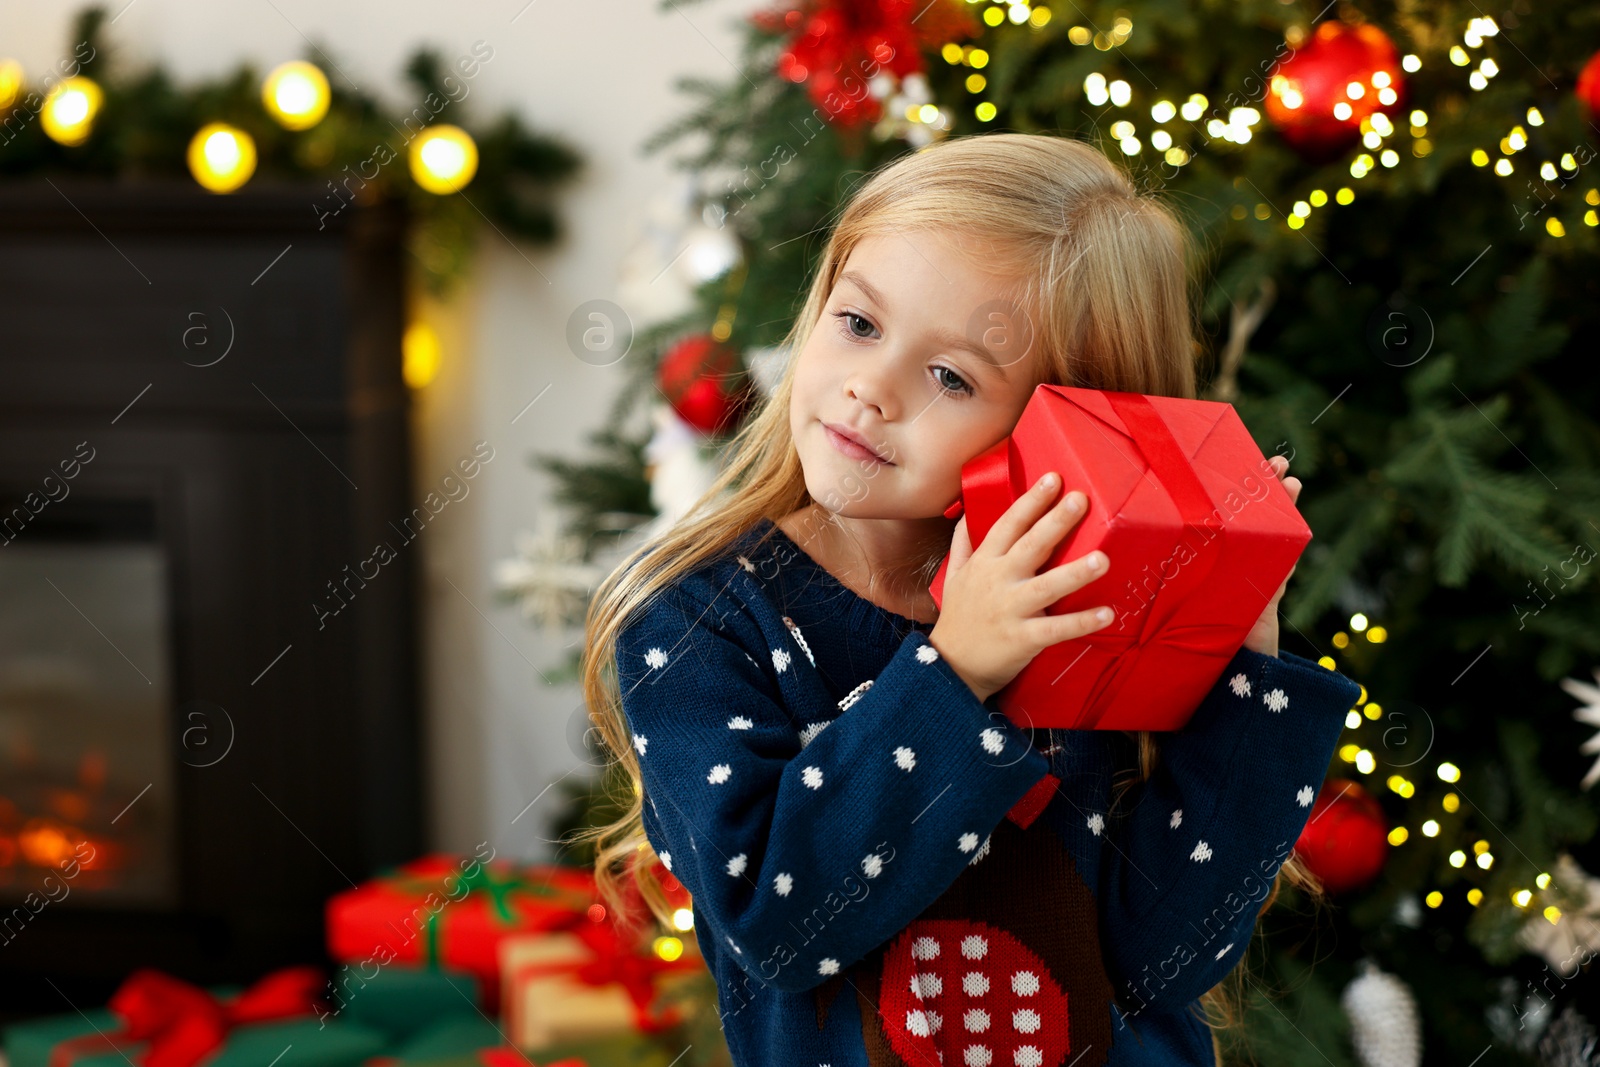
(222, 380)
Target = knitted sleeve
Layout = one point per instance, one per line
(1197, 853)
(804, 854)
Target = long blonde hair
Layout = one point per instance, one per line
(1107, 281)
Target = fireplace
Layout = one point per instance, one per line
(203, 424)
(86, 767)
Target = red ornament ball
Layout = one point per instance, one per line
(1346, 840)
(704, 382)
(1319, 95)
(1589, 84)
(837, 47)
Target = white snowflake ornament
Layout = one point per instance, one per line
(1589, 715)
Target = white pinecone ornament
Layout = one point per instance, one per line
(1385, 1026)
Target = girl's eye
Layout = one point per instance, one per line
(955, 385)
(960, 388)
(849, 317)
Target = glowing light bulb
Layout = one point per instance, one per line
(69, 110)
(443, 159)
(221, 157)
(296, 95)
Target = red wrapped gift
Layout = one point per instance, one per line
(1199, 531)
(453, 911)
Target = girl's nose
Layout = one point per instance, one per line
(874, 387)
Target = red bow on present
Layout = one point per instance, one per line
(183, 1024)
(615, 961)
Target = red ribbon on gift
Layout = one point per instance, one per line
(615, 962)
(183, 1024)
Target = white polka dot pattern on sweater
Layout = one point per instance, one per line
(753, 720)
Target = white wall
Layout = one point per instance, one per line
(600, 76)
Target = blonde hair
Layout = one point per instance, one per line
(1105, 277)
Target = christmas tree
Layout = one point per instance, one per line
(1399, 208)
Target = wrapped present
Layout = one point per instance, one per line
(156, 1020)
(1199, 531)
(406, 1001)
(453, 1039)
(446, 910)
(586, 983)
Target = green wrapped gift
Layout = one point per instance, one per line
(405, 1002)
(304, 1042)
(156, 1020)
(451, 1038)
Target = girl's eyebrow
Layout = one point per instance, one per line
(946, 337)
(866, 287)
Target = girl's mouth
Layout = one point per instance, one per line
(851, 448)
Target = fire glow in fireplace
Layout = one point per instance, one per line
(86, 767)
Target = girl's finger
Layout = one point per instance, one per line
(1292, 486)
(960, 544)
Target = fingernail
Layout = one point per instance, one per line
(1104, 615)
(1093, 562)
(1072, 502)
(1049, 481)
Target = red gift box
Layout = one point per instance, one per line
(1199, 531)
(453, 911)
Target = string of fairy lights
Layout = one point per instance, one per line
(1480, 852)
(443, 158)
(1361, 99)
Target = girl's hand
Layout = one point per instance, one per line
(1264, 635)
(992, 621)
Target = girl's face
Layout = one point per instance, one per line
(919, 353)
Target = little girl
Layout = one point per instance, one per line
(884, 868)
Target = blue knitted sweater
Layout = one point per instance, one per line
(887, 871)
